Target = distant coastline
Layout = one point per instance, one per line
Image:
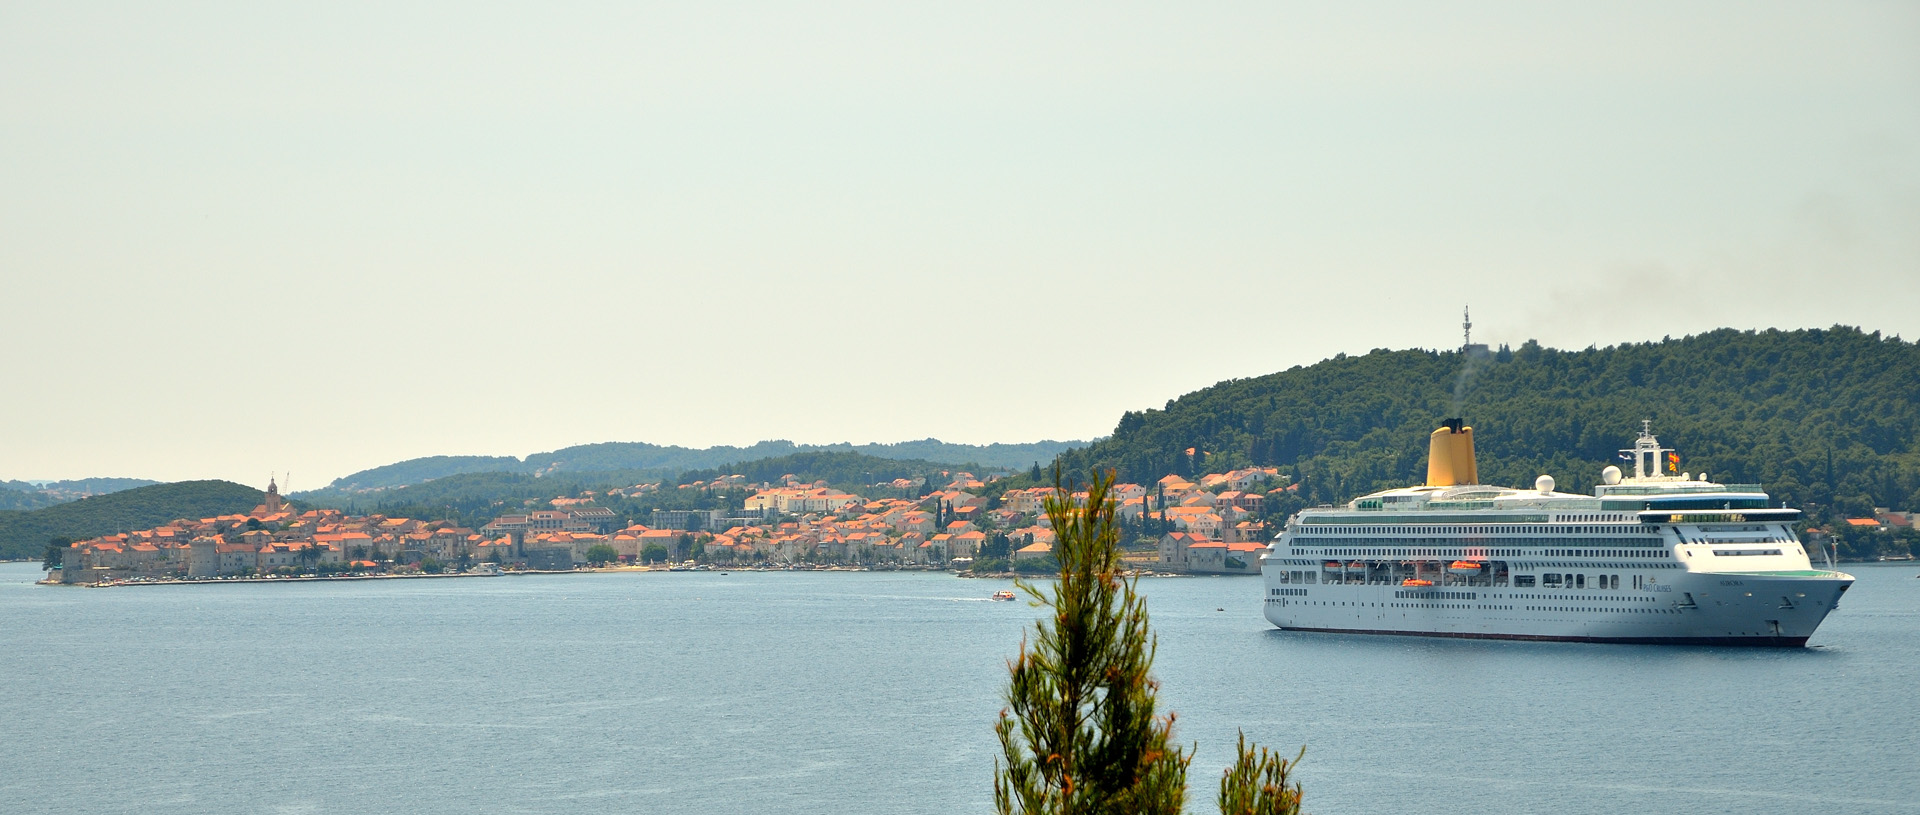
(182, 581)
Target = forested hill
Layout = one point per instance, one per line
(1827, 419)
(25, 534)
(472, 499)
(632, 456)
(27, 495)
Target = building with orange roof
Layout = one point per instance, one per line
(1246, 532)
(1174, 547)
(966, 544)
(1033, 551)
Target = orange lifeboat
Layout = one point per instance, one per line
(1332, 564)
(1464, 566)
(1414, 581)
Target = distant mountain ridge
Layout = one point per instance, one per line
(610, 456)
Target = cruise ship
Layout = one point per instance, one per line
(1661, 556)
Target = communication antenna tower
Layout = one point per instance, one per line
(1466, 327)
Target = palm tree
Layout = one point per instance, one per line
(309, 554)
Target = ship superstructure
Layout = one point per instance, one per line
(1654, 557)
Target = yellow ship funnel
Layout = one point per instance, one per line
(1450, 456)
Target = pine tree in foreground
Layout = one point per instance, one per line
(1259, 783)
(1080, 734)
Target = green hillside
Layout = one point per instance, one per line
(608, 457)
(1828, 419)
(847, 470)
(642, 456)
(26, 495)
(472, 499)
(25, 534)
(421, 470)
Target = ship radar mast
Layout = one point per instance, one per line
(1647, 452)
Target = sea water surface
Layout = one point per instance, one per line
(855, 693)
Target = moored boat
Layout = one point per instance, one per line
(1661, 556)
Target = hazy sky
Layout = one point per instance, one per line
(250, 237)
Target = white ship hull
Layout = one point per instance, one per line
(1648, 559)
(1694, 608)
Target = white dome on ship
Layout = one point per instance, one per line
(1544, 484)
(1610, 475)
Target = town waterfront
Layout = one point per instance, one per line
(875, 693)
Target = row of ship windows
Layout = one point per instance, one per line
(1476, 552)
(1430, 594)
(1515, 564)
(1571, 581)
(1453, 544)
(1393, 605)
(1552, 580)
(1371, 605)
(1490, 607)
(1596, 598)
(1591, 609)
(1482, 529)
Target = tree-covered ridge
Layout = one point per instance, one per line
(840, 468)
(25, 534)
(630, 456)
(472, 499)
(27, 495)
(95, 486)
(421, 470)
(1828, 419)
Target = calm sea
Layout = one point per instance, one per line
(853, 693)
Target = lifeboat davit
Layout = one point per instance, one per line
(1465, 566)
(1414, 581)
(1356, 565)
